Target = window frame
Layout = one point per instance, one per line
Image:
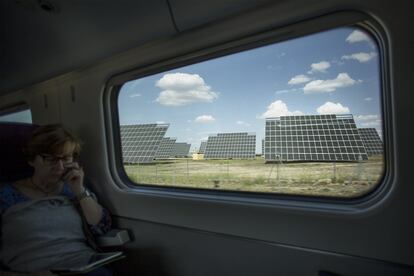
(251, 41)
(15, 108)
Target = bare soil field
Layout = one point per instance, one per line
(332, 179)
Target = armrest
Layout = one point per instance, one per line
(115, 237)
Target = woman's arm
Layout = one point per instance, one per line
(90, 207)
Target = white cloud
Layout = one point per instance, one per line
(135, 95)
(368, 99)
(204, 119)
(322, 86)
(338, 62)
(132, 85)
(368, 121)
(277, 109)
(283, 91)
(321, 66)
(299, 79)
(361, 57)
(182, 89)
(242, 123)
(357, 36)
(333, 108)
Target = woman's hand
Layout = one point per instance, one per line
(74, 178)
(91, 209)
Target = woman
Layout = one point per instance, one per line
(41, 216)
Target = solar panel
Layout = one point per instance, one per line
(140, 143)
(166, 148)
(231, 145)
(181, 149)
(202, 147)
(313, 138)
(263, 144)
(371, 140)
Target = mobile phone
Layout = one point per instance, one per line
(66, 172)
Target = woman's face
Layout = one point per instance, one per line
(51, 167)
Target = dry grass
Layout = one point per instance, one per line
(340, 179)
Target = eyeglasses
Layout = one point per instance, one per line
(53, 159)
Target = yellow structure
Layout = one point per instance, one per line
(198, 156)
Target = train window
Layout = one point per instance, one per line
(18, 116)
(299, 117)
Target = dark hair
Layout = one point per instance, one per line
(50, 139)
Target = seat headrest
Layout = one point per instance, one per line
(13, 138)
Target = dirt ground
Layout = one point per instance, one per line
(332, 179)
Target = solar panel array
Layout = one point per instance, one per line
(371, 140)
(202, 147)
(181, 149)
(166, 148)
(140, 143)
(263, 146)
(231, 145)
(313, 138)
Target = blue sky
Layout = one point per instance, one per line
(333, 72)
